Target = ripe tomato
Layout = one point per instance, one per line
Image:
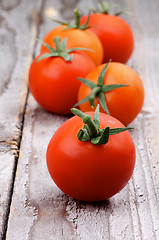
(89, 172)
(123, 103)
(115, 35)
(53, 81)
(77, 38)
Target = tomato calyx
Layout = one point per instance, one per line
(60, 50)
(76, 24)
(98, 90)
(91, 131)
(105, 7)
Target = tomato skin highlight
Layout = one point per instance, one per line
(53, 81)
(89, 172)
(115, 35)
(77, 38)
(123, 103)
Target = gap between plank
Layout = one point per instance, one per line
(11, 190)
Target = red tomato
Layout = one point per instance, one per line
(53, 81)
(77, 38)
(123, 103)
(115, 35)
(90, 172)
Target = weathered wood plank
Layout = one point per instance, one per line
(146, 136)
(40, 210)
(18, 27)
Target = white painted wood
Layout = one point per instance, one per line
(18, 28)
(39, 210)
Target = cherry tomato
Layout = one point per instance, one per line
(115, 35)
(123, 103)
(77, 38)
(53, 81)
(89, 172)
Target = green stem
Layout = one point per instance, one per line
(77, 17)
(60, 50)
(57, 43)
(93, 130)
(105, 8)
(76, 25)
(98, 90)
(93, 95)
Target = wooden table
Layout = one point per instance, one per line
(31, 206)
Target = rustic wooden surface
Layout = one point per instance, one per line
(31, 206)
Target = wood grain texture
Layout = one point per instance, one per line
(39, 210)
(17, 42)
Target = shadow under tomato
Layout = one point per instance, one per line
(94, 205)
